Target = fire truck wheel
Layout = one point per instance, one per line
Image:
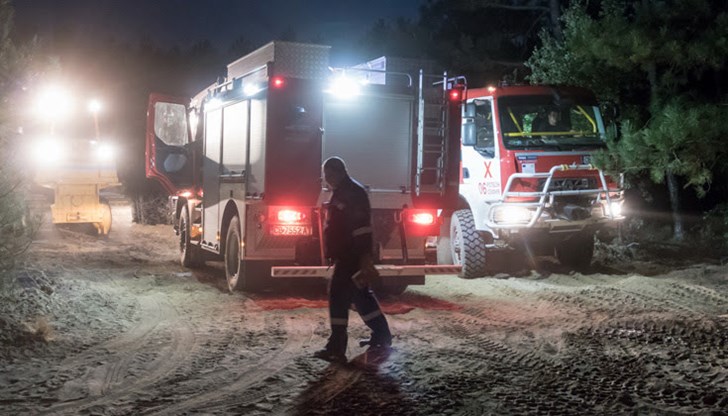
(576, 251)
(234, 272)
(468, 246)
(189, 254)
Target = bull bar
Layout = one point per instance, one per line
(546, 197)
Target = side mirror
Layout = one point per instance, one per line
(468, 131)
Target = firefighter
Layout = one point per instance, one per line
(348, 239)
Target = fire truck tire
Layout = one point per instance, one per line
(468, 245)
(576, 251)
(189, 254)
(234, 270)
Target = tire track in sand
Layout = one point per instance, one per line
(105, 384)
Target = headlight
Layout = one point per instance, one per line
(53, 104)
(615, 208)
(48, 152)
(104, 152)
(513, 215)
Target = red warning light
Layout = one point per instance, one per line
(278, 82)
(454, 95)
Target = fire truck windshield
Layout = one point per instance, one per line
(539, 122)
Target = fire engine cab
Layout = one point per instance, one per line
(527, 183)
(242, 162)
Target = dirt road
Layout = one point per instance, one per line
(117, 327)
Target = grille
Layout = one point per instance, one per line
(569, 184)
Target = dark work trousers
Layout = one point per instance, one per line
(343, 292)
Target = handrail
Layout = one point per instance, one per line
(218, 87)
(380, 71)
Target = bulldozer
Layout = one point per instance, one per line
(71, 158)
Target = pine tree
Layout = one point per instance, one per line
(15, 224)
(657, 59)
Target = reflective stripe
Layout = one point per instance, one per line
(361, 231)
(339, 321)
(368, 317)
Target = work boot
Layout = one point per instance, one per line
(377, 340)
(335, 350)
(330, 356)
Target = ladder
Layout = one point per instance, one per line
(432, 130)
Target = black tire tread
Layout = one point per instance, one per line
(473, 255)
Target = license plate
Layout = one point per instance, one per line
(290, 230)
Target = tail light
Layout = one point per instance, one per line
(422, 218)
(289, 221)
(421, 222)
(290, 216)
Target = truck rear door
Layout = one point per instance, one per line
(169, 153)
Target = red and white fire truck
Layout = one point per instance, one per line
(527, 184)
(242, 161)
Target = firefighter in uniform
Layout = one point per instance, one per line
(348, 239)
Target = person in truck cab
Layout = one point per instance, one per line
(348, 242)
(551, 123)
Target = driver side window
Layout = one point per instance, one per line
(484, 126)
(170, 123)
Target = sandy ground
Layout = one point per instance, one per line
(116, 327)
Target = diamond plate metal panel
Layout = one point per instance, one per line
(289, 59)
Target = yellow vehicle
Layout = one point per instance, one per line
(74, 161)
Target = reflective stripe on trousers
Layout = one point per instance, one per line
(343, 292)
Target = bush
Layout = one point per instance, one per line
(151, 209)
(712, 232)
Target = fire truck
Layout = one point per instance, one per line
(527, 185)
(242, 162)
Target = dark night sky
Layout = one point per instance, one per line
(183, 22)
